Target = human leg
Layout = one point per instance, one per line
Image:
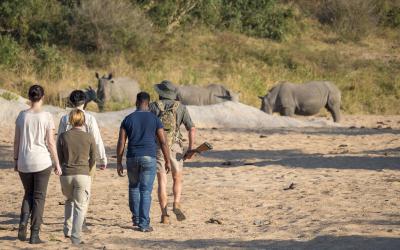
(134, 194)
(67, 190)
(41, 180)
(162, 187)
(27, 182)
(177, 177)
(81, 193)
(92, 174)
(147, 175)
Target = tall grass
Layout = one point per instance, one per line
(367, 72)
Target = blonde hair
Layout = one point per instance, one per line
(77, 118)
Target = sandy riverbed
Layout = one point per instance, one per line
(346, 193)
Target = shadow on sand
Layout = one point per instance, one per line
(295, 159)
(320, 242)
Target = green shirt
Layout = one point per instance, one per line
(76, 152)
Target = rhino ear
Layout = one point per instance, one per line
(97, 75)
(110, 76)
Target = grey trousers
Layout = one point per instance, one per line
(76, 188)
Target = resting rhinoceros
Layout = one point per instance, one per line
(120, 90)
(212, 94)
(302, 99)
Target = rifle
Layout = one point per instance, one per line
(200, 149)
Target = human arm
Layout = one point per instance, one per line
(16, 147)
(164, 148)
(92, 152)
(187, 121)
(51, 143)
(120, 150)
(101, 152)
(62, 127)
(60, 149)
(190, 152)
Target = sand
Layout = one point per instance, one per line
(345, 192)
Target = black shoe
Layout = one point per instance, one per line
(145, 230)
(180, 216)
(35, 237)
(23, 227)
(22, 231)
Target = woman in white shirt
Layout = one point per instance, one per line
(34, 145)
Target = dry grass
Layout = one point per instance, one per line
(367, 72)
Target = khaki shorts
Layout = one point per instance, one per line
(176, 154)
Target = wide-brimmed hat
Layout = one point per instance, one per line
(166, 89)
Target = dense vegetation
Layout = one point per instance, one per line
(245, 44)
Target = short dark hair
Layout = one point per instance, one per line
(142, 97)
(77, 98)
(35, 93)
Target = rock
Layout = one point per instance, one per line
(214, 221)
(260, 223)
(289, 187)
(263, 136)
(342, 145)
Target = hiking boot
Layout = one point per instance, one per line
(23, 227)
(164, 219)
(35, 239)
(178, 212)
(76, 241)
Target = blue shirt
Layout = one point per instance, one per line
(141, 128)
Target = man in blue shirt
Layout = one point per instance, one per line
(141, 129)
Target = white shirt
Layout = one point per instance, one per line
(33, 154)
(90, 127)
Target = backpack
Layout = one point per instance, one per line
(168, 118)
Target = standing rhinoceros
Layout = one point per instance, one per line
(302, 99)
(119, 90)
(212, 94)
(63, 96)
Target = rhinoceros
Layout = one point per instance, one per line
(120, 90)
(302, 99)
(212, 94)
(63, 96)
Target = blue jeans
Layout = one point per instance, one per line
(141, 174)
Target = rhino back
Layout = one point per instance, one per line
(194, 95)
(310, 97)
(123, 89)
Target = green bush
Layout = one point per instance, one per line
(351, 19)
(9, 52)
(108, 26)
(32, 21)
(49, 62)
(261, 18)
(9, 96)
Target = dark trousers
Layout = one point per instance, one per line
(35, 186)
